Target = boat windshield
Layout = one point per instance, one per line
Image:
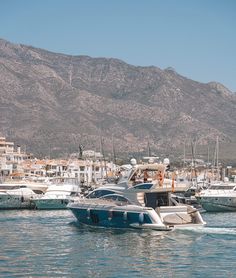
(146, 173)
(119, 199)
(99, 193)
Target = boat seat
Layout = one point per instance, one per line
(157, 210)
(177, 219)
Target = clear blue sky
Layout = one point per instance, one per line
(196, 37)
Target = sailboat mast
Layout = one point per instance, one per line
(113, 149)
(217, 157)
(149, 150)
(184, 153)
(102, 151)
(194, 162)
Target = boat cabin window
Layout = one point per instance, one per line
(222, 187)
(100, 193)
(155, 200)
(37, 191)
(11, 187)
(73, 193)
(118, 198)
(143, 186)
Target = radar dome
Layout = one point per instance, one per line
(166, 161)
(151, 160)
(133, 161)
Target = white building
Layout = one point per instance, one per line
(9, 158)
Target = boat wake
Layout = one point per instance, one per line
(210, 230)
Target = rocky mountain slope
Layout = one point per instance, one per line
(53, 102)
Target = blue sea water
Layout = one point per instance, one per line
(52, 244)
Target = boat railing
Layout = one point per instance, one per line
(216, 192)
(154, 185)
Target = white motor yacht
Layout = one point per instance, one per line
(19, 197)
(218, 197)
(58, 194)
(37, 187)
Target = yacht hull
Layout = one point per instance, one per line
(116, 219)
(17, 199)
(134, 217)
(16, 204)
(51, 203)
(216, 204)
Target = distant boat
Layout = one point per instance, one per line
(218, 197)
(142, 200)
(17, 198)
(58, 194)
(36, 187)
(19, 195)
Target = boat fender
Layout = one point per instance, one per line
(88, 214)
(141, 218)
(110, 215)
(125, 216)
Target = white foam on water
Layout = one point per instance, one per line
(210, 230)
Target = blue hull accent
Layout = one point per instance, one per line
(113, 219)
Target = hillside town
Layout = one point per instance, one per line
(88, 166)
(15, 164)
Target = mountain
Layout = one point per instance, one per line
(53, 102)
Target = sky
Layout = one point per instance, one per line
(195, 37)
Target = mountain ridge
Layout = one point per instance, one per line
(57, 101)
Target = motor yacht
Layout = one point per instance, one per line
(18, 197)
(218, 197)
(141, 199)
(36, 187)
(58, 194)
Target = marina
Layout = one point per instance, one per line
(139, 225)
(117, 139)
(94, 218)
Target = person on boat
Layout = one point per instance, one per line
(134, 178)
(160, 177)
(145, 176)
(118, 176)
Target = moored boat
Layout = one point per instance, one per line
(58, 194)
(218, 197)
(17, 198)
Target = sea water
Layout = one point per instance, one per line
(52, 244)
